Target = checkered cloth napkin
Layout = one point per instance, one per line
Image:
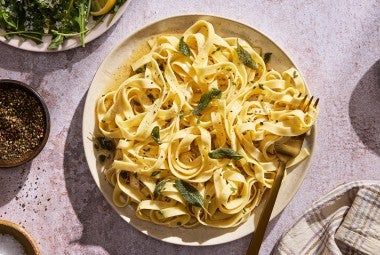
(345, 221)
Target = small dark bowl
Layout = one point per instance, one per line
(21, 235)
(9, 84)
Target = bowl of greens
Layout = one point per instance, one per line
(56, 25)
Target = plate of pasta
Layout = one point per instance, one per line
(179, 125)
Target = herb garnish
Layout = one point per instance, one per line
(295, 75)
(141, 69)
(267, 57)
(245, 57)
(225, 153)
(205, 100)
(183, 47)
(155, 173)
(106, 143)
(102, 158)
(155, 134)
(159, 187)
(217, 49)
(181, 114)
(189, 193)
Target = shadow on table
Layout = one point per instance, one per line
(34, 66)
(11, 181)
(364, 108)
(102, 226)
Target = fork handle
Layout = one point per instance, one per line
(258, 235)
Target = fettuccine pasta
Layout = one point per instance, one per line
(194, 127)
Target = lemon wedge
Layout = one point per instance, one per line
(101, 7)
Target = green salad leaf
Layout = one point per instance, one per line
(60, 19)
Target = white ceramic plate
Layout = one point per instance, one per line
(104, 76)
(69, 43)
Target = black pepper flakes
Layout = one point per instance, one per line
(22, 123)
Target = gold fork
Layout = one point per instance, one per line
(285, 151)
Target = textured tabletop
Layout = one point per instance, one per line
(335, 44)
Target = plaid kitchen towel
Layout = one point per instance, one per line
(345, 221)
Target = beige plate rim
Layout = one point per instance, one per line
(201, 236)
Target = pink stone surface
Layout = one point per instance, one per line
(335, 44)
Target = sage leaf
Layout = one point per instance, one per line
(245, 57)
(189, 193)
(224, 153)
(205, 100)
(183, 47)
(155, 173)
(106, 143)
(155, 134)
(267, 57)
(159, 187)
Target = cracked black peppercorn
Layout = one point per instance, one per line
(22, 123)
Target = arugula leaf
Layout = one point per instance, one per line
(56, 41)
(189, 193)
(7, 19)
(245, 57)
(118, 4)
(225, 153)
(155, 134)
(81, 19)
(183, 47)
(205, 100)
(61, 19)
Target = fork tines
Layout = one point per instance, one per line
(305, 106)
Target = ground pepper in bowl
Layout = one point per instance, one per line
(23, 123)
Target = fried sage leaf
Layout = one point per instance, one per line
(189, 193)
(245, 57)
(155, 134)
(183, 47)
(106, 143)
(225, 153)
(267, 57)
(159, 187)
(205, 100)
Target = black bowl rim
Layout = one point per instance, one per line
(37, 150)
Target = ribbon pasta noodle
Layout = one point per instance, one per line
(191, 95)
